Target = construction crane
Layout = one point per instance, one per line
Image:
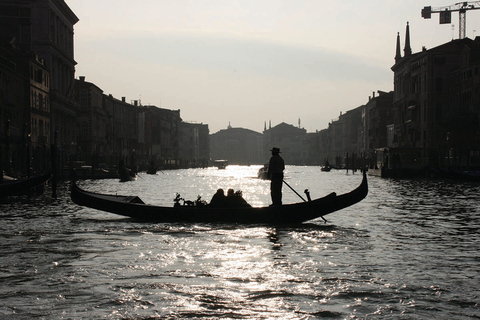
(446, 14)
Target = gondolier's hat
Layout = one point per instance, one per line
(277, 150)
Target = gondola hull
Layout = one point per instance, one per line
(134, 207)
(18, 187)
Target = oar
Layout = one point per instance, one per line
(299, 196)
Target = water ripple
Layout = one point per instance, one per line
(408, 251)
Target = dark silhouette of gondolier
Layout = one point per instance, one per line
(275, 174)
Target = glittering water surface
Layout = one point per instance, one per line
(408, 251)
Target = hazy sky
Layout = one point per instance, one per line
(247, 62)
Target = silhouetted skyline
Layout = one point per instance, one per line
(249, 62)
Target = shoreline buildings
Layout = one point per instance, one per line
(429, 119)
(44, 108)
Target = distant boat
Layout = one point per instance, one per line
(326, 167)
(263, 172)
(151, 171)
(126, 174)
(152, 168)
(220, 164)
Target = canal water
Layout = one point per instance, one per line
(410, 250)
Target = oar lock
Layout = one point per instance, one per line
(308, 194)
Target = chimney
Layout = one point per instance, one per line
(123, 99)
(82, 78)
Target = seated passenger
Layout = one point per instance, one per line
(235, 199)
(218, 199)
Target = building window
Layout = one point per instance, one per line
(84, 99)
(25, 33)
(84, 129)
(439, 60)
(424, 110)
(438, 111)
(25, 12)
(438, 84)
(38, 75)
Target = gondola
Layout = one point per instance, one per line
(152, 168)
(263, 172)
(151, 171)
(221, 164)
(126, 174)
(327, 167)
(18, 187)
(134, 207)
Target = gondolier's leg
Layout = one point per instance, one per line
(276, 189)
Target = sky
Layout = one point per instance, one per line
(247, 63)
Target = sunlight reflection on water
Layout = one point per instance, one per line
(408, 251)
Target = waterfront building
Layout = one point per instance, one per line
(322, 144)
(41, 35)
(124, 131)
(45, 28)
(238, 146)
(91, 143)
(377, 117)
(12, 112)
(290, 139)
(110, 130)
(162, 130)
(25, 105)
(37, 129)
(194, 144)
(346, 136)
(436, 104)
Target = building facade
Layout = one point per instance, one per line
(194, 145)
(13, 113)
(238, 146)
(291, 140)
(162, 136)
(436, 103)
(92, 121)
(43, 29)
